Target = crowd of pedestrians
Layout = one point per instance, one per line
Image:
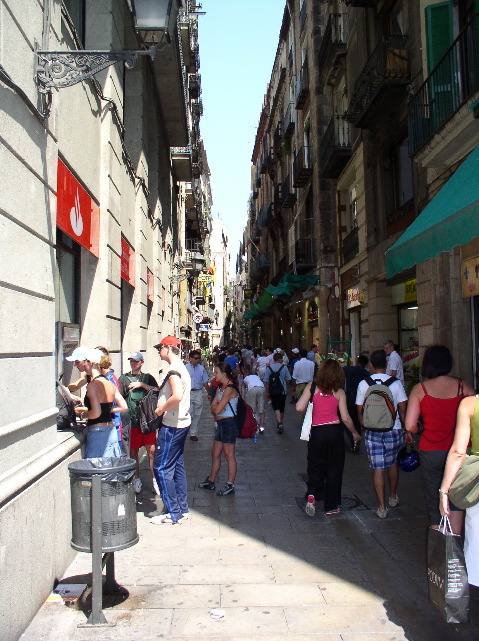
(340, 395)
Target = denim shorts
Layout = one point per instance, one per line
(226, 430)
(383, 447)
(102, 440)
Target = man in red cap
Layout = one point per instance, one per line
(169, 463)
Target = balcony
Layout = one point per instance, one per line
(277, 138)
(350, 245)
(288, 123)
(305, 255)
(259, 266)
(287, 197)
(333, 48)
(197, 108)
(263, 165)
(194, 85)
(302, 86)
(197, 169)
(385, 75)
(335, 147)
(193, 245)
(452, 82)
(302, 167)
(181, 163)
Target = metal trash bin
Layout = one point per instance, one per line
(118, 504)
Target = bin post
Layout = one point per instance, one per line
(96, 618)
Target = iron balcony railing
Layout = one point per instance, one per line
(302, 167)
(302, 85)
(305, 254)
(452, 81)
(350, 245)
(288, 122)
(259, 265)
(335, 147)
(388, 65)
(334, 38)
(193, 245)
(287, 194)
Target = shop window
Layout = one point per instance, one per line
(67, 289)
(76, 12)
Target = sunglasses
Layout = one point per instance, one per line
(195, 358)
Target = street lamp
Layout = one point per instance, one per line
(154, 21)
(197, 264)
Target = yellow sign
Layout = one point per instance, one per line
(205, 278)
(354, 297)
(470, 277)
(404, 292)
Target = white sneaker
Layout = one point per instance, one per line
(165, 519)
(261, 429)
(394, 501)
(156, 489)
(137, 484)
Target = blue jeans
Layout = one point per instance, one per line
(101, 441)
(169, 469)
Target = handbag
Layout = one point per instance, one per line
(464, 490)
(447, 574)
(308, 417)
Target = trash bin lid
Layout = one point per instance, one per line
(108, 467)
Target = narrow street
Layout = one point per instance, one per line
(274, 572)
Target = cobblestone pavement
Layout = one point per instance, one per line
(274, 572)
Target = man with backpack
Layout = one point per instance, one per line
(275, 379)
(133, 387)
(381, 402)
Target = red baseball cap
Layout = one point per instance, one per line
(168, 340)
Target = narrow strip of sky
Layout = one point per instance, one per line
(238, 42)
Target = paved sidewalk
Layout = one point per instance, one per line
(275, 572)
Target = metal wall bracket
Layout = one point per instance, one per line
(57, 69)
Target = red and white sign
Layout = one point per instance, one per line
(78, 215)
(198, 317)
(127, 266)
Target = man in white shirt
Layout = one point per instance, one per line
(383, 447)
(199, 379)
(394, 362)
(254, 394)
(303, 373)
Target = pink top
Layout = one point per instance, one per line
(325, 409)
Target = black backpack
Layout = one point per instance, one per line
(66, 417)
(148, 421)
(275, 385)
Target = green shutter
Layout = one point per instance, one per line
(439, 31)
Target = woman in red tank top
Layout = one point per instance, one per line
(326, 442)
(435, 402)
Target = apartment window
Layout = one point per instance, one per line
(67, 289)
(439, 30)
(76, 11)
(403, 175)
(351, 211)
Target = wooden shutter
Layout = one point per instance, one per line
(439, 31)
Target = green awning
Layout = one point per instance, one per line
(450, 219)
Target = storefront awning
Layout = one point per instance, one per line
(450, 219)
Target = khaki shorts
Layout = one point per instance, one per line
(255, 398)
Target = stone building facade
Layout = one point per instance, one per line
(102, 197)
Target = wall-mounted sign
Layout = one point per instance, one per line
(78, 215)
(205, 278)
(248, 294)
(198, 317)
(404, 292)
(470, 277)
(354, 297)
(127, 262)
(204, 327)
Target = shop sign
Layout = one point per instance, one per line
(470, 277)
(205, 278)
(354, 297)
(127, 262)
(248, 294)
(204, 327)
(215, 335)
(404, 292)
(78, 215)
(150, 285)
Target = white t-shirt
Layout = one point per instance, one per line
(397, 390)
(395, 363)
(303, 371)
(252, 381)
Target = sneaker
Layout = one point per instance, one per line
(261, 429)
(228, 488)
(310, 507)
(207, 485)
(381, 513)
(165, 519)
(156, 489)
(336, 511)
(394, 501)
(137, 485)
(280, 428)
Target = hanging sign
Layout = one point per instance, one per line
(354, 297)
(78, 215)
(198, 317)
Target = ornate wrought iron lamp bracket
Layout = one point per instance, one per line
(58, 69)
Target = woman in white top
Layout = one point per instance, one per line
(262, 364)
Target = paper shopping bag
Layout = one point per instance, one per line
(447, 574)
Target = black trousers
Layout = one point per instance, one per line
(325, 464)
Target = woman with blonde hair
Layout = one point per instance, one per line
(326, 449)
